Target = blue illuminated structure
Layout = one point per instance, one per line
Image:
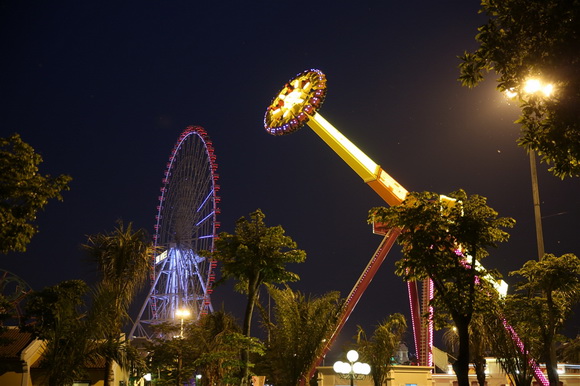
(185, 224)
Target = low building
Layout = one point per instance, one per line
(20, 363)
(423, 376)
(400, 375)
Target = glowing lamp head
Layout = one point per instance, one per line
(358, 367)
(300, 98)
(532, 85)
(182, 313)
(352, 355)
(367, 369)
(536, 86)
(341, 367)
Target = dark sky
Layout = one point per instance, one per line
(104, 89)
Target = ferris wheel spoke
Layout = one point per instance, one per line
(205, 219)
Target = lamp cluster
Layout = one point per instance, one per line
(352, 368)
(533, 86)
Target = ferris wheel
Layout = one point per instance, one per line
(14, 290)
(181, 279)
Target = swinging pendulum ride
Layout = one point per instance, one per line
(297, 104)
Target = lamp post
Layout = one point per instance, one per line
(534, 86)
(352, 369)
(182, 313)
(536, 200)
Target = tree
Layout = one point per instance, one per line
(60, 320)
(298, 332)
(123, 259)
(209, 347)
(171, 356)
(218, 340)
(535, 38)
(514, 344)
(549, 290)
(255, 255)
(445, 240)
(23, 192)
(485, 311)
(378, 350)
(569, 352)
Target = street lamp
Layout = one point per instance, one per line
(535, 86)
(353, 369)
(182, 313)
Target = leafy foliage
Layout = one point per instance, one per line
(486, 312)
(570, 350)
(535, 38)
(60, 313)
(549, 290)
(517, 346)
(434, 231)
(444, 239)
(256, 254)
(210, 347)
(76, 333)
(171, 359)
(123, 260)
(378, 350)
(23, 192)
(298, 332)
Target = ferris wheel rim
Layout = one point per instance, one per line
(202, 134)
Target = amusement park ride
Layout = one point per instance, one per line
(181, 279)
(297, 104)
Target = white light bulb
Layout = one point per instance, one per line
(366, 369)
(357, 368)
(532, 86)
(352, 356)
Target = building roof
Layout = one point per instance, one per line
(13, 341)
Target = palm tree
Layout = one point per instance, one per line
(378, 350)
(123, 260)
(298, 333)
(59, 314)
(255, 255)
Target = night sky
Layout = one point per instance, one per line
(102, 90)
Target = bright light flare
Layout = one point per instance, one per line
(182, 313)
(532, 86)
(511, 93)
(548, 90)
